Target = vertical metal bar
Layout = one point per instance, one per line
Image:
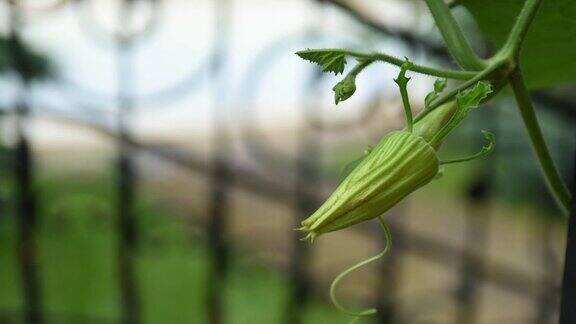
(27, 227)
(26, 212)
(545, 304)
(568, 301)
(390, 274)
(475, 233)
(220, 173)
(126, 222)
(306, 175)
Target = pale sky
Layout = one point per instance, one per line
(79, 41)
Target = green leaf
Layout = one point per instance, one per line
(549, 52)
(439, 86)
(330, 60)
(472, 97)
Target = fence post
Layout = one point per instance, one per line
(220, 173)
(306, 176)
(476, 232)
(299, 259)
(568, 301)
(126, 222)
(390, 271)
(26, 211)
(546, 303)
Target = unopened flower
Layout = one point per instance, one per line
(345, 88)
(402, 162)
(398, 165)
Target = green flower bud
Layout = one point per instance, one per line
(344, 89)
(398, 165)
(402, 162)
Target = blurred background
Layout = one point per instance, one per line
(156, 155)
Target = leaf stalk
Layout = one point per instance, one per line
(526, 109)
(457, 44)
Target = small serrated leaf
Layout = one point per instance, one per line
(472, 97)
(329, 60)
(439, 86)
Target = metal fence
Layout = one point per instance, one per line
(224, 173)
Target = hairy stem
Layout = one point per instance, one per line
(514, 43)
(360, 67)
(441, 73)
(455, 41)
(407, 109)
(553, 179)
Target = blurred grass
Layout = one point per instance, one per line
(77, 264)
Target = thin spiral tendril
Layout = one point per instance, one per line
(371, 311)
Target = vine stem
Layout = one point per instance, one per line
(441, 73)
(359, 67)
(526, 108)
(402, 82)
(453, 37)
(516, 38)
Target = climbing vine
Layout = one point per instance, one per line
(405, 160)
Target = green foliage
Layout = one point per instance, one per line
(548, 54)
(472, 98)
(329, 60)
(378, 182)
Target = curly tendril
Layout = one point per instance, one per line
(340, 277)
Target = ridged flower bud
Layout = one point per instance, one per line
(401, 163)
